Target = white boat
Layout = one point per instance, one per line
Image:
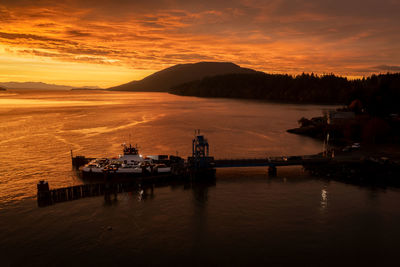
(131, 156)
(130, 163)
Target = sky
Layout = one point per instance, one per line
(106, 43)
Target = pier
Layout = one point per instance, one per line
(201, 161)
(47, 196)
(210, 163)
(249, 162)
(201, 166)
(271, 161)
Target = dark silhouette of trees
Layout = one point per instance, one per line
(379, 94)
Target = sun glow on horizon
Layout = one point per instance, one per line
(31, 68)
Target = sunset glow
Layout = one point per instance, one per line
(106, 43)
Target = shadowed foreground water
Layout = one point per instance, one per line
(246, 218)
(243, 218)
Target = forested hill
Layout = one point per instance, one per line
(376, 91)
(163, 80)
(276, 87)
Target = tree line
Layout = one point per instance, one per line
(379, 94)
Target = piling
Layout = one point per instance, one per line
(43, 193)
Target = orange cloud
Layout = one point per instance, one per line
(274, 36)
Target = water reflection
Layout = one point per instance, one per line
(324, 198)
(24, 103)
(146, 192)
(110, 198)
(200, 191)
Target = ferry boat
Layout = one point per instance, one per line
(131, 156)
(131, 163)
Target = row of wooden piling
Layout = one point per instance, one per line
(47, 197)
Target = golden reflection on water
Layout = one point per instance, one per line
(324, 198)
(90, 132)
(15, 102)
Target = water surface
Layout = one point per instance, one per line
(243, 218)
(38, 129)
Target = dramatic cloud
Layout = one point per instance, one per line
(344, 37)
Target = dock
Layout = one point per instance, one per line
(272, 161)
(201, 167)
(47, 196)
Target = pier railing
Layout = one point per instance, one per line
(271, 161)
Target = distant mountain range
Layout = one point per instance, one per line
(380, 94)
(40, 85)
(163, 80)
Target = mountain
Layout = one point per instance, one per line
(163, 80)
(33, 85)
(39, 85)
(86, 88)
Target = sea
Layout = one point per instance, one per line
(243, 218)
